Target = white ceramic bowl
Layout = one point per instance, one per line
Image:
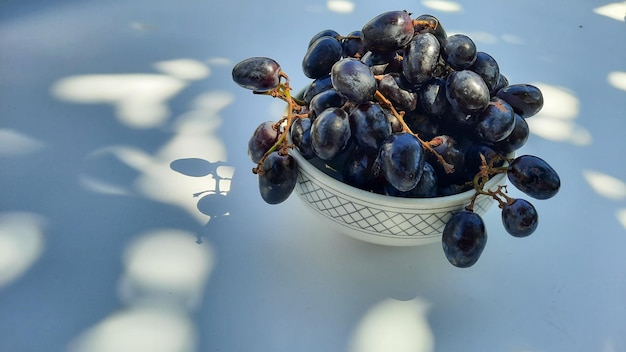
(380, 219)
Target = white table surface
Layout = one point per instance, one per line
(114, 113)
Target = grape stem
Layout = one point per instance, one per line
(432, 24)
(283, 92)
(449, 168)
(480, 179)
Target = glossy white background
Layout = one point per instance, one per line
(114, 114)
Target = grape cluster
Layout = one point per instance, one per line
(402, 109)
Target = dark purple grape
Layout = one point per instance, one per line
(520, 218)
(257, 73)
(516, 139)
(502, 82)
(301, 137)
(427, 187)
(464, 238)
(358, 170)
(429, 24)
(432, 97)
(487, 68)
(369, 125)
(459, 51)
(388, 31)
(354, 80)
(327, 99)
(316, 87)
(525, 99)
(392, 86)
(421, 58)
(496, 122)
(467, 92)
(325, 33)
(321, 56)
(330, 133)
(353, 45)
(278, 178)
(533, 176)
(262, 139)
(401, 160)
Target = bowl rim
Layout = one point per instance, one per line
(387, 200)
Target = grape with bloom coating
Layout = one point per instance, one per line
(519, 218)
(420, 58)
(464, 238)
(467, 91)
(262, 139)
(330, 133)
(354, 80)
(257, 73)
(459, 51)
(525, 99)
(533, 176)
(278, 178)
(369, 125)
(388, 31)
(401, 160)
(321, 56)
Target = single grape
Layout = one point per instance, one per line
(459, 51)
(353, 45)
(421, 58)
(316, 87)
(487, 68)
(329, 98)
(262, 139)
(354, 80)
(324, 33)
(330, 133)
(501, 83)
(301, 137)
(516, 139)
(278, 178)
(519, 218)
(432, 97)
(321, 56)
(525, 99)
(388, 31)
(427, 187)
(257, 73)
(369, 125)
(401, 160)
(467, 91)
(464, 238)
(358, 170)
(496, 122)
(533, 176)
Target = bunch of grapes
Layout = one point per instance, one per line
(402, 109)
